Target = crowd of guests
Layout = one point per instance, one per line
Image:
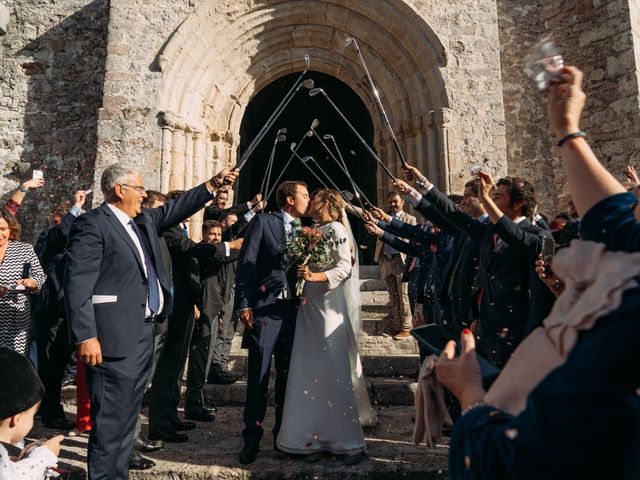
(480, 265)
(193, 318)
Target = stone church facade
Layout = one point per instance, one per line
(163, 84)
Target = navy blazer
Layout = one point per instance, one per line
(513, 293)
(583, 419)
(260, 275)
(105, 286)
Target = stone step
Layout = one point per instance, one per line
(369, 272)
(372, 365)
(212, 453)
(372, 284)
(367, 344)
(382, 391)
(376, 297)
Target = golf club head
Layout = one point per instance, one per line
(292, 147)
(347, 195)
(328, 136)
(280, 138)
(307, 159)
(282, 131)
(314, 91)
(348, 41)
(308, 83)
(315, 123)
(307, 61)
(309, 133)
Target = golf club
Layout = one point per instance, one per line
(265, 181)
(294, 148)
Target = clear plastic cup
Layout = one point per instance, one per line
(543, 63)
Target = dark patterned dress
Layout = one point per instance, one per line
(15, 311)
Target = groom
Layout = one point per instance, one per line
(265, 302)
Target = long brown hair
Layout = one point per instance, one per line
(14, 225)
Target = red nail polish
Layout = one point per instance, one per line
(466, 331)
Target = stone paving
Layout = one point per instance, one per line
(212, 453)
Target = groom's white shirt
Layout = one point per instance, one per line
(287, 223)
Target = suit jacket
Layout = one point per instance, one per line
(213, 281)
(105, 286)
(52, 258)
(261, 279)
(404, 217)
(513, 294)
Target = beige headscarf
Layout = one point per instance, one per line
(595, 281)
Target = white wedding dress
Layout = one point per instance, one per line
(326, 402)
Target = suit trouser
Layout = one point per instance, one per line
(272, 334)
(391, 270)
(116, 388)
(200, 352)
(53, 353)
(224, 339)
(165, 389)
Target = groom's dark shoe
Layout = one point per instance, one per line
(249, 453)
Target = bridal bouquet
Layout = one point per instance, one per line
(309, 246)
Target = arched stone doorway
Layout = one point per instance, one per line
(220, 57)
(297, 118)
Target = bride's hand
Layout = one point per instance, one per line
(305, 273)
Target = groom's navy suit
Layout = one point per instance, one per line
(264, 286)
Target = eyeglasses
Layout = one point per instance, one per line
(137, 188)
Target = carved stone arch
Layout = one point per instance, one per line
(221, 56)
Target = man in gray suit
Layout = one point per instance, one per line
(392, 266)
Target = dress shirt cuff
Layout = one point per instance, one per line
(86, 340)
(75, 211)
(249, 215)
(227, 250)
(212, 192)
(414, 197)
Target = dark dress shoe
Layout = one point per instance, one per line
(200, 414)
(314, 457)
(181, 426)
(221, 378)
(68, 380)
(249, 453)
(210, 408)
(145, 445)
(354, 459)
(60, 423)
(169, 436)
(136, 462)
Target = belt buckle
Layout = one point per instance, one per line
(150, 318)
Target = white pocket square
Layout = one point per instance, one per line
(104, 299)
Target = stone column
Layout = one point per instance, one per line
(188, 160)
(165, 158)
(176, 179)
(432, 162)
(199, 153)
(442, 120)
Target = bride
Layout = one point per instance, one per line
(326, 402)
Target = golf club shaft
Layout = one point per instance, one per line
(270, 167)
(285, 167)
(311, 170)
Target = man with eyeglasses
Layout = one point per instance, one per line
(115, 287)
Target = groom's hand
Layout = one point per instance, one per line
(246, 317)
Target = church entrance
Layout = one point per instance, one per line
(297, 119)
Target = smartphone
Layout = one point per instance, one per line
(547, 249)
(38, 174)
(434, 338)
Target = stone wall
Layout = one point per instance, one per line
(51, 76)
(598, 36)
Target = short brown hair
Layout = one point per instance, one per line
(474, 185)
(61, 209)
(287, 189)
(393, 193)
(14, 226)
(209, 224)
(153, 196)
(520, 190)
(173, 194)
